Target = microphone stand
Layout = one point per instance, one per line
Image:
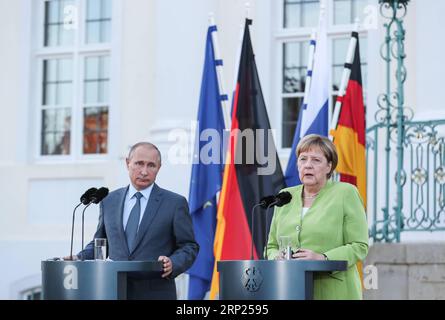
(266, 226)
(83, 224)
(252, 229)
(72, 230)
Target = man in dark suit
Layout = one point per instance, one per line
(145, 222)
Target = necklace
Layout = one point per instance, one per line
(310, 197)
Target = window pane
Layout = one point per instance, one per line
(106, 31)
(292, 14)
(96, 79)
(91, 92)
(104, 67)
(51, 35)
(300, 13)
(310, 14)
(106, 8)
(93, 9)
(52, 11)
(295, 66)
(93, 32)
(346, 11)
(95, 131)
(91, 68)
(342, 11)
(336, 77)
(65, 70)
(103, 91)
(363, 50)
(49, 95)
(66, 36)
(64, 94)
(57, 82)
(55, 32)
(340, 48)
(98, 21)
(50, 69)
(291, 108)
(56, 126)
(358, 10)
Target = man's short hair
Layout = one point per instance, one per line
(145, 144)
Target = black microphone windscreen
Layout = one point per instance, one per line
(283, 198)
(266, 201)
(100, 194)
(86, 197)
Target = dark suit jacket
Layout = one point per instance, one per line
(166, 229)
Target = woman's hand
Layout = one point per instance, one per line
(306, 254)
(280, 255)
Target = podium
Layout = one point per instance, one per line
(271, 279)
(92, 280)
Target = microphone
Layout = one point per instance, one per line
(266, 201)
(279, 200)
(95, 198)
(99, 195)
(283, 198)
(84, 199)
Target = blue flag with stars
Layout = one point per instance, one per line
(207, 170)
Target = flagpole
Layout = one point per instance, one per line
(214, 287)
(238, 53)
(344, 81)
(219, 72)
(310, 66)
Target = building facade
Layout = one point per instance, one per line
(83, 80)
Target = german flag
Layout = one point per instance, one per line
(252, 169)
(349, 137)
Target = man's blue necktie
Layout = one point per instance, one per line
(131, 229)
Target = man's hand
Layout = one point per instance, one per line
(71, 258)
(167, 265)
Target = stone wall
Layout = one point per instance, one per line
(406, 271)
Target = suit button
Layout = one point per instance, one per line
(130, 259)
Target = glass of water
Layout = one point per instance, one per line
(285, 247)
(100, 249)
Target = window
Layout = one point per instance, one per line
(74, 82)
(98, 21)
(297, 16)
(300, 13)
(346, 11)
(32, 294)
(294, 77)
(339, 51)
(56, 33)
(56, 106)
(96, 92)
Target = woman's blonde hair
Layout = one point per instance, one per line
(324, 144)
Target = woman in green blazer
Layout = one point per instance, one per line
(325, 220)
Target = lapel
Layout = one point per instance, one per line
(299, 202)
(118, 202)
(149, 214)
(296, 204)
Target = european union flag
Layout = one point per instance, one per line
(207, 173)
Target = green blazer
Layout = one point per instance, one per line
(334, 225)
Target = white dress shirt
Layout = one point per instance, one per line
(130, 201)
